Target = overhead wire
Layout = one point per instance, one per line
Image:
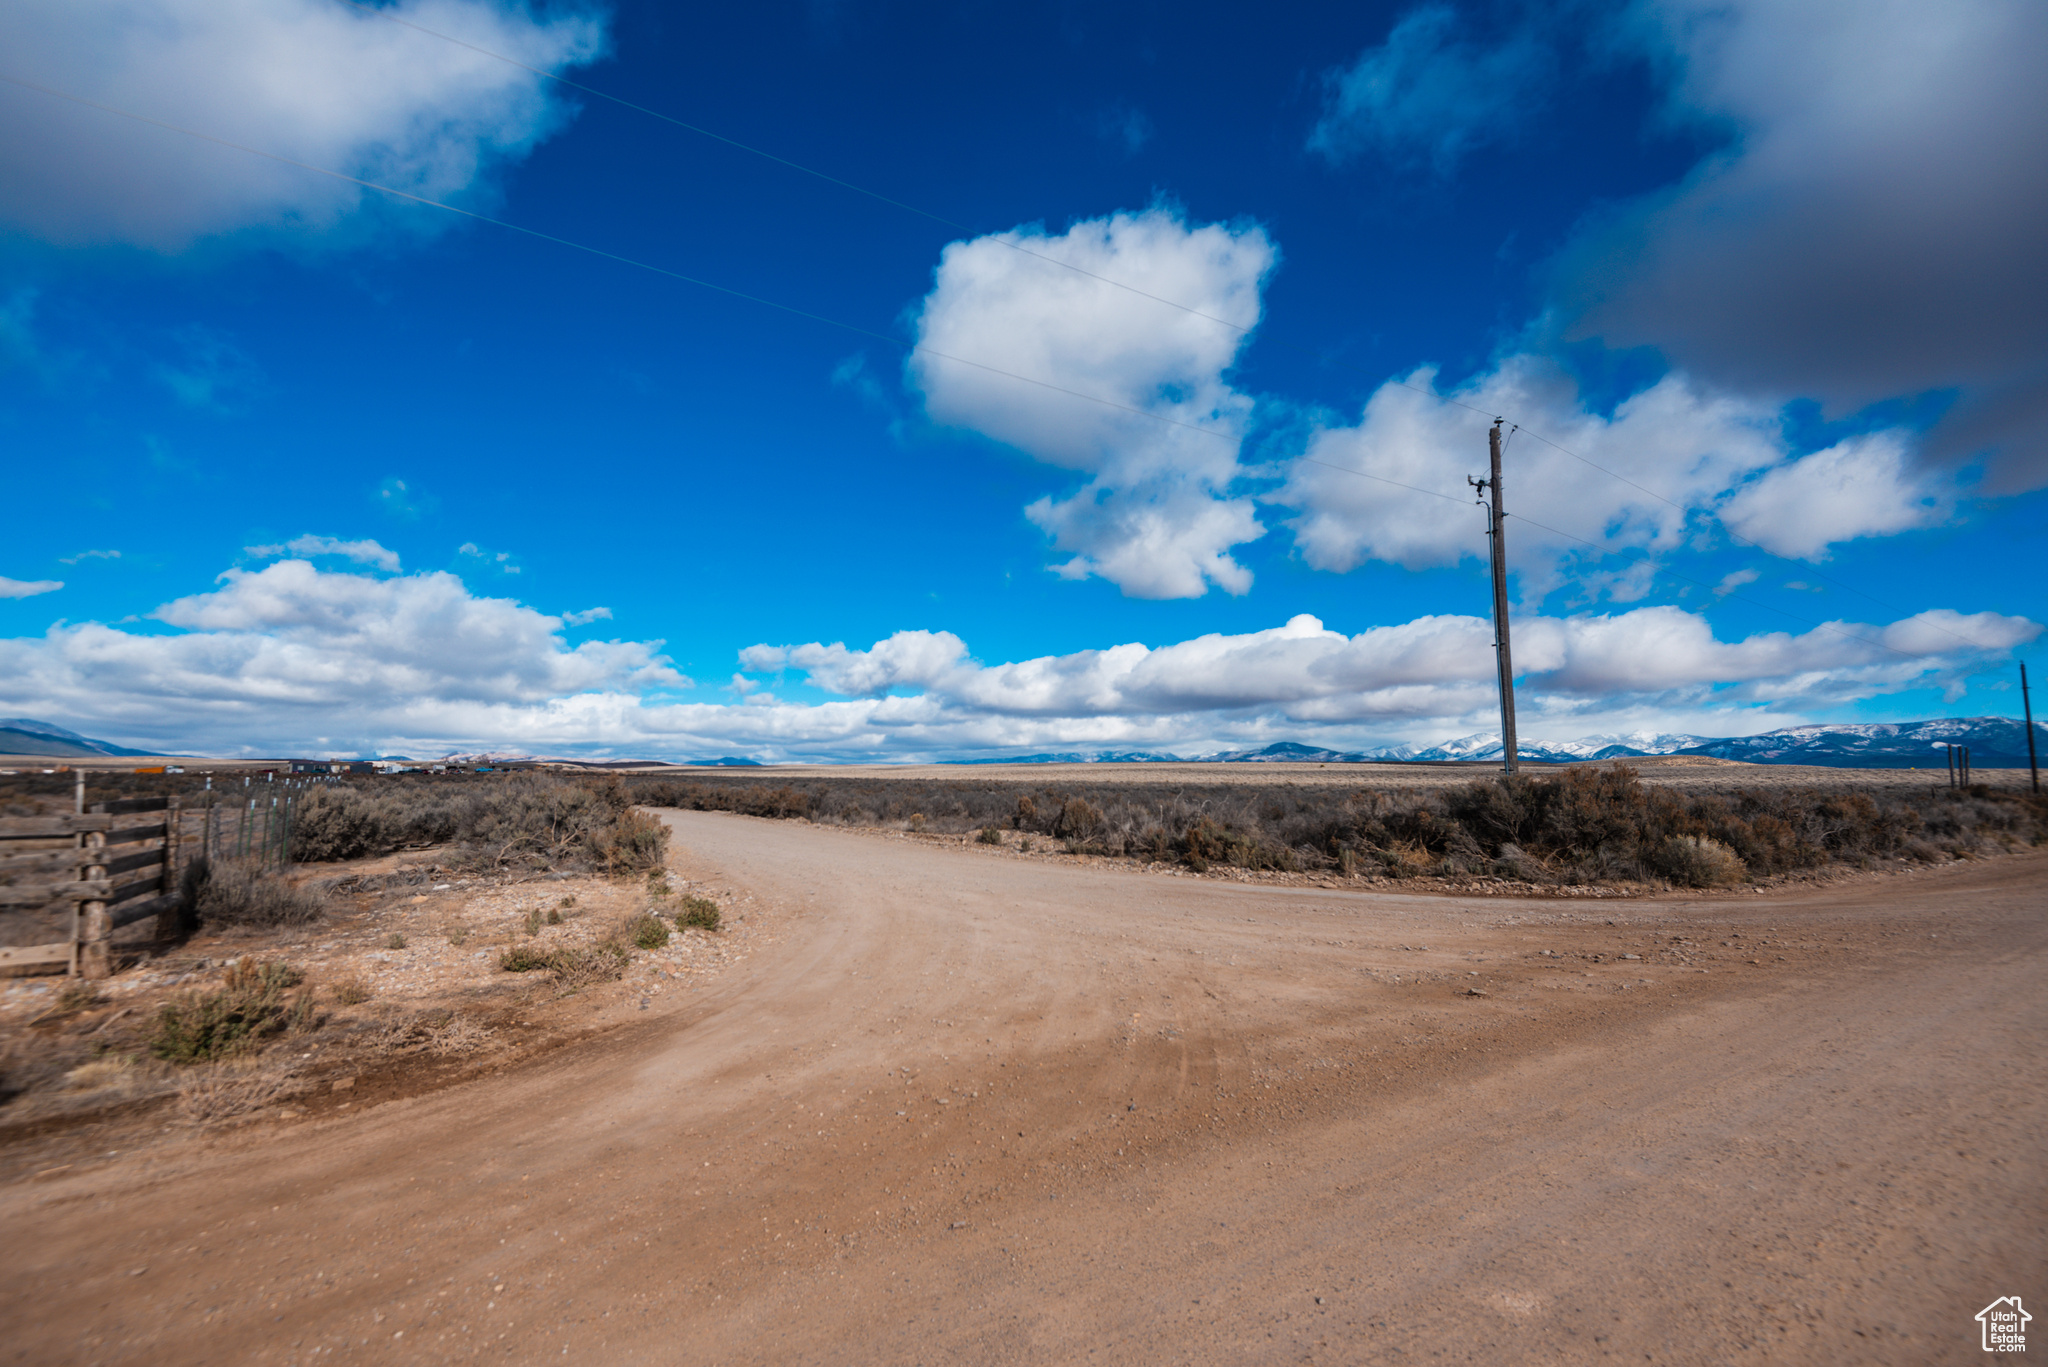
(918, 348)
(1242, 329)
(914, 347)
(858, 189)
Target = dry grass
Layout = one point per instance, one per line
(110, 1073)
(352, 990)
(439, 1032)
(224, 1091)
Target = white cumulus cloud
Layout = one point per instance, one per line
(362, 552)
(27, 588)
(1158, 514)
(293, 658)
(1866, 486)
(318, 82)
(291, 654)
(1683, 453)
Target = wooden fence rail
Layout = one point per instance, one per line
(104, 884)
(85, 860)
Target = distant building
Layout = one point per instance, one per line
(332, 766)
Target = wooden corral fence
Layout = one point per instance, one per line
(120, 863)
(111, 867)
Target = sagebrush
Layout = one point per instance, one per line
(526, 820)
(250, 1004)
(235, 892)
(1583, 824)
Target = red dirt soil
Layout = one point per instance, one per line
(964, 1108)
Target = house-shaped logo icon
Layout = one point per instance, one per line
(2005, 1325)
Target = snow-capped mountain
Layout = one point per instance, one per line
(1995, 743)
(1486, 745)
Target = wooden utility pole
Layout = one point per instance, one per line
(1503, 658)
(2027, 706)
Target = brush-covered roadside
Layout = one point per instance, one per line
(1584, 826)
(543, 908)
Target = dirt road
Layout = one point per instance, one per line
(973, 1109)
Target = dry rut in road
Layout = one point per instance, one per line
(973, 1108)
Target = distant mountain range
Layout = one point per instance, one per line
(1091, 757)
(1995, 743)
(27, 736)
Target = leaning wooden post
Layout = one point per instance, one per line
(167, 919)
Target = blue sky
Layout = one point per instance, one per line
(1182, 463)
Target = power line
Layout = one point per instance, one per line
(780, 160)
(876, 195)
(1239, 328)
(914, 347)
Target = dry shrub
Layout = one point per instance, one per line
(199, 1026)
(580, 966)
(1513, 863)
(459, 1036)
(74, 997)
(352, 990)
(1693, 861)
(649, 932)
(634, 841)
(525, 820)
(222, 1091)
(335, 822)
(112, 1072)
(571, 966)
(699, 912)
(444, 1033)
(990, 835)
(240, 893)
(1078, 820)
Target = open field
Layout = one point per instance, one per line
(1676, 771)
(962, 1106)
(1679, 771)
